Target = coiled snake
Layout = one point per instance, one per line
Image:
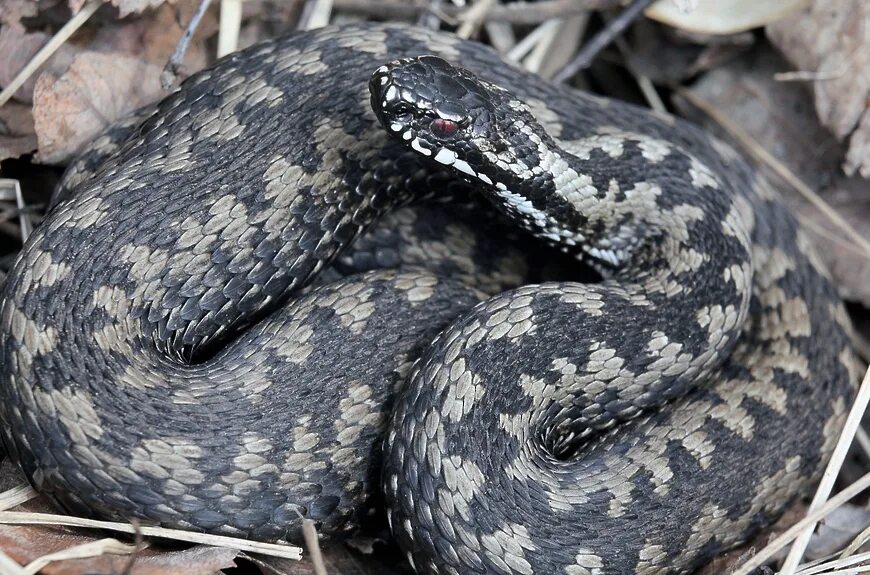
(162, 357)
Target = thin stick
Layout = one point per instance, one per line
(531, 40)
(318, 15)
(643, 82)
(856, 543)
(313, 545)
(14, 188)
(863, 441)
(9, 566)
(515, 13)
(601, 40)
(16, 496)
(273, 549)
(175, 65)
(85, 550)
(229, 27)
(50, 48)
(853, 421)
(774, 546)
(473, 17)
(767, 158)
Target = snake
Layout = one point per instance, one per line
(303, 287)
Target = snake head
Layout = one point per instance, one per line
(451, 116)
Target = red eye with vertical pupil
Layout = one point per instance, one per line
(443, 128)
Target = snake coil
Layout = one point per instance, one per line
(170, 348)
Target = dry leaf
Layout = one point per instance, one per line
(153, 38)
(18, 48)
(12, 11)
(780, 117)
(27, 543)
(840, 527)
(831, 40)
(96, 90)
(125, 7)
(17, 135)
(849, 265)
(723, 16)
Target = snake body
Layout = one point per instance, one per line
(170, 349)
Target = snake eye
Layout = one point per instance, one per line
(442, 128)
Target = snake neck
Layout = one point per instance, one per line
(588, 196)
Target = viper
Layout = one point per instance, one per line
(193, 338)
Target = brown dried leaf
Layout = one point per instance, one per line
(847, 262)
(831, 40)
(17, 135)
(18, 48)
(98, 89)
(25, 543)
(12, 11)
(125, 7)
(780, 117)
(153, 38)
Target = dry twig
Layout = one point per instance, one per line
(811, 519)
(853, 421)
(229, 27)
(766, 158)
(515, 13)
(50, 48)
(272, 549)
(175, 65)
(601, 40)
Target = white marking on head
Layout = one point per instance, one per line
(390, 93)
(415, 143)
(407, 135)
(463, 166)
(384, 80)
(396, 127)
(445, 156)
(484, 178)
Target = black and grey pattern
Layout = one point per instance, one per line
(169, 348)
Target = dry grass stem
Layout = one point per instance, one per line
(16, 496)
(50, 48)
(525, 13)
(473, 17)
(229, 27)
(271, 549)
(312, 543)
(852, 564)
(856, 544)
(646, 86)
(811, 519)
(10, 190)
(766, 158)
(524, 46)
(853, 422)
(83, 551)
(318, 14)
(9, 566)
(864, 441)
